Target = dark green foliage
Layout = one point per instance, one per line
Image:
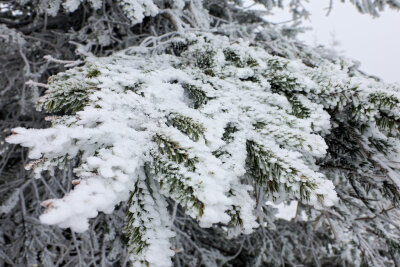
(232, 57)
(298, 109)
(209, 72)
(73, 98)
(259, 125)
(259, 166)
(236, 219)
(227, 136)
(386, 121)
(251, 62)
(179, 47)
(196, 95)
(229, 130)
(136, 88)
(277, 64)
(266, 169)
(383, 101)
(176, 184)
(134, 230)
(205, 60)
(282, 83)
(69, 92)
(253, 79)
(172, 179)
(280, 80)
(381, 145)
(381, 109)
(174, 152)
(346, 154)
(93, 73)
(187, 126)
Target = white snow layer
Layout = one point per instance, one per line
(131, 100)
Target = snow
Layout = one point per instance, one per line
(286, 211)
(125, 140)
(85, 201)
(135, 10)
(113, 134)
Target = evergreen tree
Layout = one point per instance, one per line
(174, 124)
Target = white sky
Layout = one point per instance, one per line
(375, 42)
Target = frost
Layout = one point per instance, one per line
(221, 128)
(135, 10)
(10, 203)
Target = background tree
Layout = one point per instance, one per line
(356, 116)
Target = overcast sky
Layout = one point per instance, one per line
(375, 42)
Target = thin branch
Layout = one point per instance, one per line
(376, 215)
